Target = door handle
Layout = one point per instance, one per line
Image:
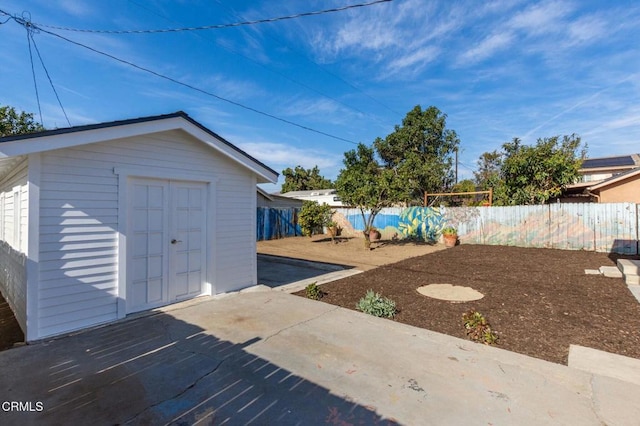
(174, 241)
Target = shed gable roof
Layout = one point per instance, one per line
(21, 145)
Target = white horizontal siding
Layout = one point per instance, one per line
(13, 278)
(79, 223)
(235, 237)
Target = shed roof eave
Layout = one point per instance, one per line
(81, 135)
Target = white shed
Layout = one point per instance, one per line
(100, 221)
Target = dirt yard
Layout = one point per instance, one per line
(539, 301)
(346, 251)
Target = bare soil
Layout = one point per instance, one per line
(539, 301)
(346, 250)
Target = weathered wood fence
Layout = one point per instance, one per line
(609, 227)
(587, 226)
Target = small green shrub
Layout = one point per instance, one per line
(449, 230)
(478, 329)
(374, 304)
(313, 291)
(313, 217)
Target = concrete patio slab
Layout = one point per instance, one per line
(276, 271)
(605, 363)
(629, 266)
(269, 357)
(635, 290)
(610, 271)
(632, 280)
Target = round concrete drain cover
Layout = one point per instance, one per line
(452, 293)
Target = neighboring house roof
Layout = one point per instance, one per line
(615, 179)
(308, 193)
(277, 201)
(264, 193)
(621, 161)
(20, 145)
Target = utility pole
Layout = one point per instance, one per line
(456, 149)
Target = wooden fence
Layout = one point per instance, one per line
(273, 223)
(610, 227)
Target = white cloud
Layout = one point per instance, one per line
(230, 88)
(541, 18)
(280, 156)
(586, 29)
(417, 60)
(326, 111)
(75, 8)
(486, 48)
(401, 38)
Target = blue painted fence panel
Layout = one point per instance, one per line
(275, 223)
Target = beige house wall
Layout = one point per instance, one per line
(627, 191)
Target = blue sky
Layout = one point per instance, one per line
(498, 69)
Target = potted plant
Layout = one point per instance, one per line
(450, 236)
(374, 234)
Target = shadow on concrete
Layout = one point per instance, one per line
(161, 370)
(275, 271)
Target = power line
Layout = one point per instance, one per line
(33, 72)
(299, 83)
(218, 26)
(48, 77)
(354, 87)
(29, 25)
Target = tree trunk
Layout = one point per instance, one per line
(367, 241)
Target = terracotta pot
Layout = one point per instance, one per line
(450, 240)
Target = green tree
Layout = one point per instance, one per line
(534, 174)
(313, 217)
(301, 179)
(421, 152)
(466, 185)
(488, 169)
(366, 184)
(14, 123)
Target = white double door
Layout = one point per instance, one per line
(167, 242)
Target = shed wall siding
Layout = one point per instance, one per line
(79, 222)
(14, 228)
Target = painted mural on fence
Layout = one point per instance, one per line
(422, 223)
(594, 227)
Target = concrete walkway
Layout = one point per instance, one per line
(288, 274)
(269, 357)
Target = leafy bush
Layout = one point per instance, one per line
(374, 304)
(313, 291)
(478, 329)
(313, 217)
(449, 230)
